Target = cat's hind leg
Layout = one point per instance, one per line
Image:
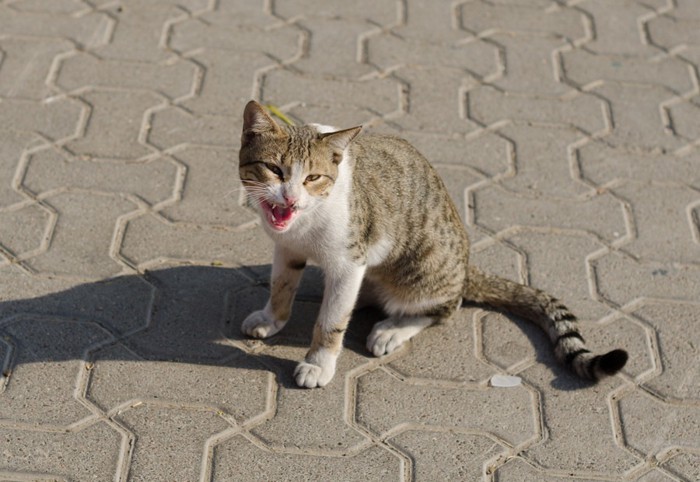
(390, 334)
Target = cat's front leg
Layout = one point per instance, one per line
(339, 296)
(287, 269)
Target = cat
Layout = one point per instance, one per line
(375, 216)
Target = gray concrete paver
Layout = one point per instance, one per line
(685, 465)
(91, 453)
(168, 440)
(262, 464)
(567, 134)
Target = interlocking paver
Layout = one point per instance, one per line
(497, 209)
(486, 153)
(566, 133)
(430, 109)
(383, 12)
(684, 119)
(584, 67)
(23, 230)
(117, 376)
(680, 378)
(211, 182)
(187, 243)
(489, 106)
(674, 426)
(26, 66)
(169, 441)
(171, 80)
(329, 53)
(467, 54)
(485, 17)
(241, 29)
(596, 450)
(50, 171)
(456, 361)
(11, 149)
(671, 31)
(447, 456)
(379, 95)
(90, 30)
(644, 279)
(684, 465)
(44, 366)
(29, 454)
(119, 305)
(114, 124)
(224, 88)
(52, 6)
(55, 121)
(326, 409)
(547, 266)
(180, 297)
(81, 240)
(617, 27)
(172, 127)
(602, 164)
(528, 65)
(142, 25)
(640, 122)
(542, 160)
(667, 237)
(481, 410)
(262, 464)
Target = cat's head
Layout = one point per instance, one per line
(288, 171)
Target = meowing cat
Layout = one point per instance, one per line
(375, 216)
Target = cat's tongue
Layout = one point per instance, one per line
(281, 214)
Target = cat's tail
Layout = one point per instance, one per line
(549, 314)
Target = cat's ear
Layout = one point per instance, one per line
(339, 140)
(256, 121)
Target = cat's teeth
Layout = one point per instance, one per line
(279, 216)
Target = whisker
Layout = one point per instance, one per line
(255, 193)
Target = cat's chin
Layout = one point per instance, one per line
(279, 218)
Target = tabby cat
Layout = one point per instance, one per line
(374, 215)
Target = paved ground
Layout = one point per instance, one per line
(567, 131)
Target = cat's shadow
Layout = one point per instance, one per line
(184, 314)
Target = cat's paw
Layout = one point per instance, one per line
(314, 374)
(386, 337)
(259, 325)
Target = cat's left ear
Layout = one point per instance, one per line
(339, 140)
(256, 121)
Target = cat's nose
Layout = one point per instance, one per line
(290, 200)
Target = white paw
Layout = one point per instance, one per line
(386, 337)
(259, 325)
(316, 373)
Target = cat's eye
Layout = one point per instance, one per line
(274, 169)
(312, 177)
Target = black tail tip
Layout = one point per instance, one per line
(612, 362)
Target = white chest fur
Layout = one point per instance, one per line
(321, 234)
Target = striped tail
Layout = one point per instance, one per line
(549, 314)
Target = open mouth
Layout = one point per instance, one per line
(278, 216)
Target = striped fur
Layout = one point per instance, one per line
(375, 216)
(549, 314)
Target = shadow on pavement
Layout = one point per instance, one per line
(186, 314)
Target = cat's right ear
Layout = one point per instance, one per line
(256, 122)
